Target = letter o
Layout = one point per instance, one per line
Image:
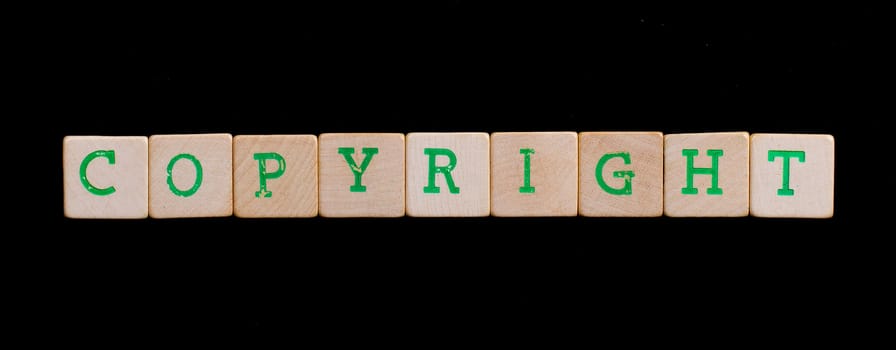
(196, 184)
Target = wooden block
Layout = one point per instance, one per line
(447, 174)
(621, 174)
(105, 177)
(792, 175)
(288, 166)
(362, 175)
(190, 176)
(534, 173)
(695, 187)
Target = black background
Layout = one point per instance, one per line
(461, 66)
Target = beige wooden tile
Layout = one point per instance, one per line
(288, 165)
(372, 185)
(792, 175)
(549, 189)
(175, 188)
(621, 174)
(105, 177)
(447, 174)
(730, 196)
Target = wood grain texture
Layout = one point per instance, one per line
(291, 194)
(470, 175)
(645, 156)
(811, 177)
(213, 197)
(126, 179)
(733, 175)
(553, 181)
(382, 179)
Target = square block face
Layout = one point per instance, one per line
(447, 174)
(534, 173)
(695, 187)
(190, 176)
(792, 175)
(621, 174)
(105, 177)
(362, 175)
(288, 166)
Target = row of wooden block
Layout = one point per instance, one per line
(450, 174)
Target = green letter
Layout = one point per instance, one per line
(626, 189)
(263, 175)
(110, 155)
(713, 170)
(444, 170)
(786, 155)
(347, 153)
(527, 170)
(196, 184)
